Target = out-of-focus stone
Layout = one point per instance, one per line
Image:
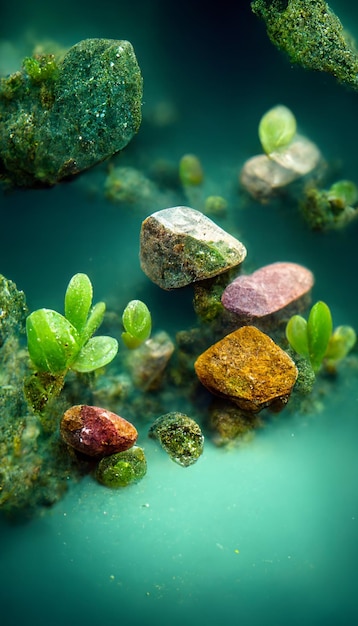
(148, 362)
(95, 431)
(269, 289)
(301, 156)
(263, 174)
(248, 368)
(180, 245)
(180, 436)
(228, 422)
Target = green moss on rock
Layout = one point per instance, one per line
(180, 437)
(122, 469)
(312, 35)
(59, 117)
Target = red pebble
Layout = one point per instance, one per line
(96, 431)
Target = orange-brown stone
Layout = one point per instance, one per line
(249, 368)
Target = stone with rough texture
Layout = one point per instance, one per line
(269, 289)
(122, 469)
(96, 431)
(180, 436)
(180, 245)
(54, 124)
(248, 368)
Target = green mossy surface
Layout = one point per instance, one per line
(312, 35)
(180, 437)
(59, 117)
(122, 469)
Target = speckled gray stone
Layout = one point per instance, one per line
(269, 289)
(180, 245)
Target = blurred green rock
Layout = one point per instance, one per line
(312, 35)
(59, 116)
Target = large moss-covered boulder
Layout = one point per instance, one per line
(59, 116)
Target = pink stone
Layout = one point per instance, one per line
(267, 290)
(96, 431)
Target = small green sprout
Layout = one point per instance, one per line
(340, 343)
(41, 67)
(310, 338)
(277, 128)
(343, 193)
(313, 339)
(57, 343)
(137, 324)
(190, 170)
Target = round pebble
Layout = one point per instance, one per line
(96, 431)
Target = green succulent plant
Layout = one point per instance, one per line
(277, 128)
(313, 339)
(190, 170)
(340, 343)
(57, 343)
(310, 338)
(137, 324)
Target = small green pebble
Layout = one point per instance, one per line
(122, 469)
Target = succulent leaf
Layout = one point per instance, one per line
(52, 341)
(296, 333)
(96, 353)
(78, 300)
(137, 323)
(319, 331)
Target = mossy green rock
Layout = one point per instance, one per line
(312, 35)
(180, 436)
(122, 469)
(54, 124)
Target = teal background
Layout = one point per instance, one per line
(258, 535)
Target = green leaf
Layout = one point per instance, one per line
(98, 352)
(78, 300)
(296, 333)
(52, 341)
(137, 323)
(319, 331)
(94, 321)
(345, 191)
(340, 343)
(277, 128)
